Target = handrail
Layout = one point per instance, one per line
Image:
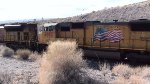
(118, 44)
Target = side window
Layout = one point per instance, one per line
(65, 28)
(51, 28)
(77, 25)
(26, 36)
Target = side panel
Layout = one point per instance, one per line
(124, 43)
(11, 36)
(140, 40)
(2, 34)
(77, 34)
(89, 35)
(45, 36)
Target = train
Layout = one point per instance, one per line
(115, 40)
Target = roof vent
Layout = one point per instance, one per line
(115, 20)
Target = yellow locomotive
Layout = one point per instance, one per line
(93, 36)
(116, 35)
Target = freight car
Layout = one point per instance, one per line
(122, 39)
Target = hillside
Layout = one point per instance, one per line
(125, 13)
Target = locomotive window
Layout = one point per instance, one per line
(77, 25)
(140, 26)
(65, 28)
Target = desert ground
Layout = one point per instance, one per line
(62, 63)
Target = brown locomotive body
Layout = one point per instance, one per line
(20, 35)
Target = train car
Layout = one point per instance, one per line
(121, 39)
(20, 34)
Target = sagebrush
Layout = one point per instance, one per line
(6, 51)
(61, 64)
(23, 54)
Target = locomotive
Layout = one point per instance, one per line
(117, 40)
(20, 35)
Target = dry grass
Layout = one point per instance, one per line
(6, 51)
(120, 80)
(137, 80)
(128, 75)
(23, 54)
(122, 70)
(35, 56)
(5, 78)
(61, 64)
(104, 68)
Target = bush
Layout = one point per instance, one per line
(34, 56)
(104, 68)
(5, 78)
(137, 80)
(6, 51)
(61, 64)
(120, 80)
(23, 54)
(122, 70)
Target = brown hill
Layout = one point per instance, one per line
(125, 13)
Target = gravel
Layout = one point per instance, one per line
(19, 72)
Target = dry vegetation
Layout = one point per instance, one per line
(23, 54)
(26, 54)
(127, 75)
(62, 63)
(6, 52)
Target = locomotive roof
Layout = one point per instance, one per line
(1, 27)
(50, 24)
(140, 20)
(18, 25)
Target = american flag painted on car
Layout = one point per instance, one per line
(100, 34)
(103, 34)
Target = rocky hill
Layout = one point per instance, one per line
(125, 13)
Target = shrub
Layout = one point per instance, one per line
(104, 68)
(34, 56)
(62, 64)
(122, 70)
(5, 78)
(137, 80)
(23, 54)
(6, 51)
(145, 72)
(120, 80)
